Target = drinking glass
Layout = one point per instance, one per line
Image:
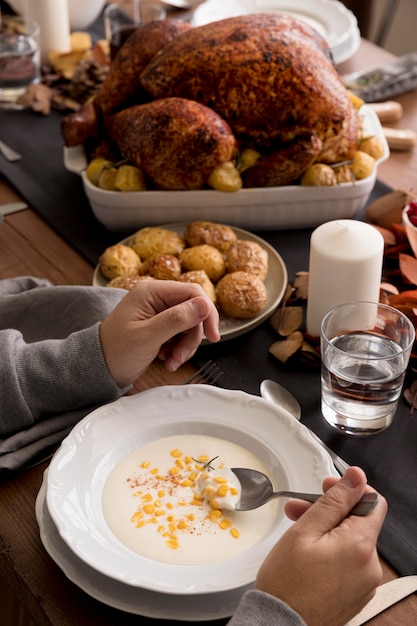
(19, 58)
(365, 350)
(123, 17)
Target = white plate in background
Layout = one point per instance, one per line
(337, 24)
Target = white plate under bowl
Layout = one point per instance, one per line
(330, 18)
(79, 470)
(262, 208)
(197, 607)
(275, 283)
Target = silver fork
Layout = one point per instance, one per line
(208, 374)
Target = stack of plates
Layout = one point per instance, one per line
(331, 18)
(73, 527)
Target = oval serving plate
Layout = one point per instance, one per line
(276, 283)
(79, 470)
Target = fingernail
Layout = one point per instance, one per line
(350, 478)
(200, 307)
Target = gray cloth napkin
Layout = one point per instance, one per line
(42, 311)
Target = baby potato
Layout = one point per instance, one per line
(344, 174)
(225, 177)
(372, 146)
(162, 266)
(130, 178)
(95, 169)
(200, 277)
(204, 257)
(362, 165)
(107, 179)
(119, 260)
(156, 240)
(319, 175)
(247, 256)
(219, 236)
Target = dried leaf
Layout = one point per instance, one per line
(387, 209)
(282, 350)
(407, 298)
(288, 293)
(412, 237)
(388, 287)
(309, 355)
(286, 320)
(301, 285)
(408, 267)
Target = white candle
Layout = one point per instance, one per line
(53, 19)
(345, 266)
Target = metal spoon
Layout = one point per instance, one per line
(180, 4)
(257, 490)
(277, 394)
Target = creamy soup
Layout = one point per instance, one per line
(161, 502)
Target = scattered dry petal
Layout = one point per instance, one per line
(287, 319)
(408, 267)
(301, 285)
(282, 350)
(386, 210)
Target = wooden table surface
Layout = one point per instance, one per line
(29, 246)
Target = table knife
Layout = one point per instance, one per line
(386, 595)
(12, 207)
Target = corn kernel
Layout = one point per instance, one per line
(188, 459)
(138, 493)
(234, 491)
(149, 509)
(145, 464)
(174, 545)
(154, 470)
(214, 515)
(158, 503)
(186, 483)
(225, 523)
(222, 491)
(182, 524)
(220, 479)
(171, 518)
(161, 493)
(169, 505)
(136, 516)
(152, 520)
(172, 527)
(147, 497)
(180, 463)
(203, 458)
(193, 475)
(140, 524)
(173, 470)
(191, 517)
(235, 533)
(215, 504)
(161, 529)
(176, 453)
(159, 512)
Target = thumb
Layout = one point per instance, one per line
(335, 505)
(180, 318)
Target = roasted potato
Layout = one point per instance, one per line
(119, 260)
(162, 266)
(241, 295)
(204, 257)
(156, 240)
(200, 277)
(217, 235)
(247, 256)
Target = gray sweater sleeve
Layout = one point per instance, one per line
(51, 376)
(261, 609)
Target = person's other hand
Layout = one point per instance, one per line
(326, 566)
(156, 318)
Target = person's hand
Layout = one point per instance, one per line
(156, 318)
(326, 565)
